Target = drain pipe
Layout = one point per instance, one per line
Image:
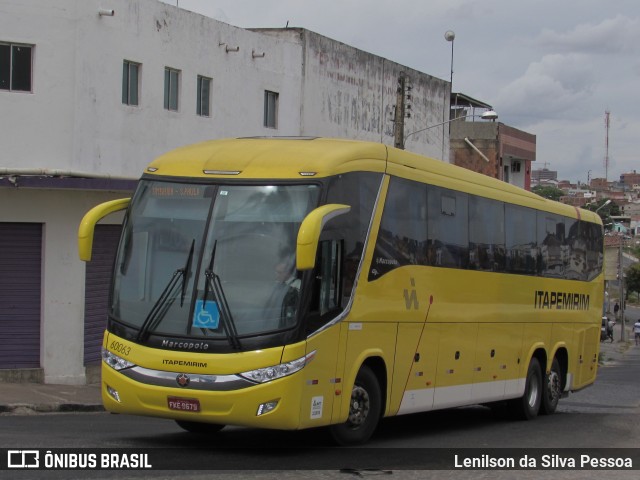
(45, 172)
(477, 150)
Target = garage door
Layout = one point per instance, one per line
(98, 279)
(20, 294)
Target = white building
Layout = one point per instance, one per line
(91, 91)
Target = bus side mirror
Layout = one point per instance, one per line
(309, 233)
(88, 224)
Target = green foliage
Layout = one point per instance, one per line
(605, 211)
(552, 193)
(634, 250)
(633, 278)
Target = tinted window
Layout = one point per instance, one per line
(552, 247)
(486, 235)
(448, 230)
(594, 241)
(358, 190)
(521, 239)
(403, 229)
(428, 225)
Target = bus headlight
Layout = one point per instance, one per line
(114, 361)
(263, 375)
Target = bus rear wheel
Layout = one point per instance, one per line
(527, 406)
(200, 428)
(552, 389)
(365, 407)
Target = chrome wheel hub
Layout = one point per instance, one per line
(359, 407)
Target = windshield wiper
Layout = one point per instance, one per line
(166, 298)
(185, 276)
(213, 283)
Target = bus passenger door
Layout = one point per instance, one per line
(320, 379)
(323, 377)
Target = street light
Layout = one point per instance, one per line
(603, 205)
(488, 115)
(450, 36)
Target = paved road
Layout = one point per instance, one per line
(604, 415)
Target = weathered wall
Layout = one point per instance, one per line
(350, 93)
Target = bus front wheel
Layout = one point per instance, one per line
(199, 427)
(364, 410)
(527, 406)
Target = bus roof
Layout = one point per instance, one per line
(313, 157)
(272, 158)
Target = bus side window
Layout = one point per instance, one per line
(326, 300)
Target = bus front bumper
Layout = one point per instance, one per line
(272, 404)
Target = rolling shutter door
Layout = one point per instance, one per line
(20, 294)
(98, 280)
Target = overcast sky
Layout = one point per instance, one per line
(549, 67)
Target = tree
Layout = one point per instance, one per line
(552, 193)
(633, 278)
(605, 211)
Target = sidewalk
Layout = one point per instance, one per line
(613, 352)
(33, 398)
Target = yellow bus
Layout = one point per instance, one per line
(291, 283)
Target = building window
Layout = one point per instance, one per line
(171, 84)
(16, 67)
(270, 109)
(204, 89)
(130, 83)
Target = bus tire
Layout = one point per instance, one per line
(200, 428)
(364, 410)
(528, 406)
(551, 389)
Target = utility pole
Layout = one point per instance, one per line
(398, 121)
(623, 333)
(606, 144)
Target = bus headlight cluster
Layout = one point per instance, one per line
(263, 375)
(114, 361)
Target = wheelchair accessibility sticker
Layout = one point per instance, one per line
(206, 315)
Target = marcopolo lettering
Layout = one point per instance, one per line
(185, 345)
(560, 300)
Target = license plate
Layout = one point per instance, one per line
(183, 404)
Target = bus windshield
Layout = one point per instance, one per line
(210, 261)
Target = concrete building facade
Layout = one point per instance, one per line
(94, 90)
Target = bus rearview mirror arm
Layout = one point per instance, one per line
(88, 224)
(309, 233)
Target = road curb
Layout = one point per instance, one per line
(26, 408)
